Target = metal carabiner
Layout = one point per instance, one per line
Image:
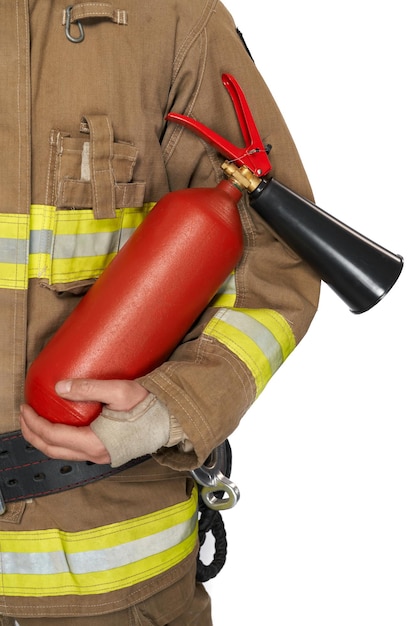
(69, 36)
(217, 491)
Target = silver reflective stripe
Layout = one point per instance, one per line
(41, 241)
(257, 332)
(261, 338)
(70, 246)
(13, 250)
(79, 245)
(228, 287)
(96, 560)
(125, 233)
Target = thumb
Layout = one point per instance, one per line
(119, 395)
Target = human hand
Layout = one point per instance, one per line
(79, 443)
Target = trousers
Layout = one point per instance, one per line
(197, 613)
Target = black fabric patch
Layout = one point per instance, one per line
(241, 36)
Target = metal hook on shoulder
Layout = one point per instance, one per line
(68, 34)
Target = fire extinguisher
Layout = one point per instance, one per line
(145, 301)
(358, 269)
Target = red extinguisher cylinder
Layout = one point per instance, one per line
(146, 300)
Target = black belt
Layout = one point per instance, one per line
(27, 473)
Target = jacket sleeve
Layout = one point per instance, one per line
(262, 312)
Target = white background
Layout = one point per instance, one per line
(326, 530)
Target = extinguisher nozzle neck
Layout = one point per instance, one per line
(243, 177)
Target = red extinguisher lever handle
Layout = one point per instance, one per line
(254, 154)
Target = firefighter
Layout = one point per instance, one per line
(86, 153)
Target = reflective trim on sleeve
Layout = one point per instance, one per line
(261, 338)
(64, 245)
(104, 559)
(227, 293)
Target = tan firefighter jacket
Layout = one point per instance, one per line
(85, 154)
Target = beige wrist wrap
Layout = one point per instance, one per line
(143, 430)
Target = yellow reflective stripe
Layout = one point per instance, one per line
(81, 246)
(82, 221)
(61, 246)
(70, 270)
(13, 276)
(227, 293)
(14, 235)
(104, 559)
(261, 338)
(13, 226)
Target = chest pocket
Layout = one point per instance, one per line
(95, 172)
(93, 205)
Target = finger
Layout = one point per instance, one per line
(38, 427)
(50, 438)
(45, 445)
(65, 453)
(59, 441)
(119, 395)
